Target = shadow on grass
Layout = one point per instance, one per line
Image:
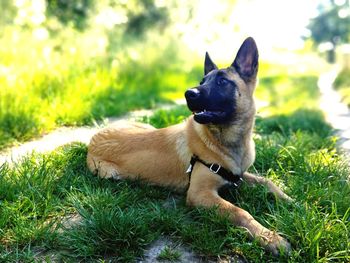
(306, 120)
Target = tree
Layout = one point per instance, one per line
(7, 12)
(331, 26)
(141, 14)
(74, 12)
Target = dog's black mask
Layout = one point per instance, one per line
(214, 100)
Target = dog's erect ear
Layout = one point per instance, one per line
(246, 61)
(208, 64)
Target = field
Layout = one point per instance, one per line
(53, 208)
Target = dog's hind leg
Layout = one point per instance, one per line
(253, 179)
(103, 169)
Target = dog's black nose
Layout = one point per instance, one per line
(192, 94)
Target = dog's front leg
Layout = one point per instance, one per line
(253, 179)
(203, 193)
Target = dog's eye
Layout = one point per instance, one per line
(222, 81)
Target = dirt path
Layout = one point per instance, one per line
(337, 113)
(65, 135)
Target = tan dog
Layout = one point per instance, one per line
(214, 146)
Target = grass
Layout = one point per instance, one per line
(81, 97)
(163, 118)
(61, 82)
(285, 94)
(169, 254)
(117, 220)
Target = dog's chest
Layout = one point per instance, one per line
(242, 156)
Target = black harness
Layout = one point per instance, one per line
(233, 179)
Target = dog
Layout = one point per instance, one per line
(213, 148)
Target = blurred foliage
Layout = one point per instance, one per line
(74, 62)
(332, 25)
(286, 94)
(7, 11)
(140, 15)
(75, 12)
(139, 21)
(39, 92)
(134, 17)
(343, 79)
(342, 84)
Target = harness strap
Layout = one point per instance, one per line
(215, 168)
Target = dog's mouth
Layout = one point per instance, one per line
(207, 112)
(209, 116)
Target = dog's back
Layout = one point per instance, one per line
(135, 150)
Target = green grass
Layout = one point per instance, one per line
(286, 94)
(163, 118)
(83, 96)
(61, 82)
(117, 220)
(170, 254)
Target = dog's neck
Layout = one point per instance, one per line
(234, 134)
(233, 142)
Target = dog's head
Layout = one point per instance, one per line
(225, 94)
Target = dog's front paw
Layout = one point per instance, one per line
(276, 244)
(287, 198)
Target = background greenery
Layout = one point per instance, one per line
(61, 65)
(342, 84)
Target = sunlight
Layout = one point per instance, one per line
(109, 17)
(337, 113)
(275, 24)
(272, 29)
(32, 12)
(41, 33)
